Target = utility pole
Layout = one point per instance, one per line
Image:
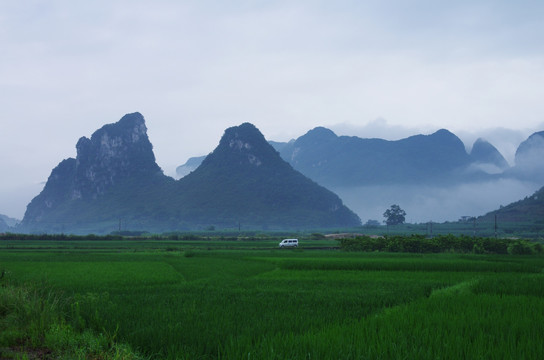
(495, 226)
(474, 220)
(430, 229)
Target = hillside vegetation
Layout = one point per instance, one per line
(530, 209)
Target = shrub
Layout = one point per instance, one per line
(478, 248)
(520, 248)
(189, 254)
(441, 243)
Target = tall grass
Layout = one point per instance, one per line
(33, 325)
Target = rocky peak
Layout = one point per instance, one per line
(531, 151)
(528, 160)
(443, 139)
(444, 133)
(118, 150)
(442, 149)
(484, 153)
(126, 138)
(115, 151)
(117, 157)
(241, 146)
(316, 136)
(245, 178)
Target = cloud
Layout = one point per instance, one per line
(433, 203)
(379, 128)
(15, 198)
(505, 140)
(195, 68)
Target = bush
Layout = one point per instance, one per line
(478, 248)
(189, 254)
(441, 243)
(520, 248)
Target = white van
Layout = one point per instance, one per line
(289, 243)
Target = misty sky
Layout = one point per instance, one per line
(193, 68)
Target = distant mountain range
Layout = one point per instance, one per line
(7, 223)
(440, 158)
(114, 183)
(432, 176)
(336, 161)
(529, 158)
(3, 226)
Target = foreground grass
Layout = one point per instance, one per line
(206, 304)
(32, 326)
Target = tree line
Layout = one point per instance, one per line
(440, 243)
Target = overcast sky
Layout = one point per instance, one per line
(193, 68)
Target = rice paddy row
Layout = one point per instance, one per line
(273, 304)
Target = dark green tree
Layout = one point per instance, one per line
(394, 215)
(372, 223)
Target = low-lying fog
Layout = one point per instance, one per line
(429, 203)
(424, 203)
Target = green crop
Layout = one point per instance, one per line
(263, 303)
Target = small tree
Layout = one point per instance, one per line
(394, 215)
(372, 223)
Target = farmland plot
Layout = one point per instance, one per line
(271, 304)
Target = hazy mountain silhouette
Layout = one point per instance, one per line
(529, 163)
(3, 225)
(431, 175)
(486, 157)
(245, 180)
(10, 222)
(336, 161)
(114, 183)
(194, 162)
(189, 166)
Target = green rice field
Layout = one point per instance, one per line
(251, 300)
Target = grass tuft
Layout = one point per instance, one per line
(32, 326)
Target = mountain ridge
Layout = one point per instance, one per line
(336, 161)
(269, 181)
(115, 182)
